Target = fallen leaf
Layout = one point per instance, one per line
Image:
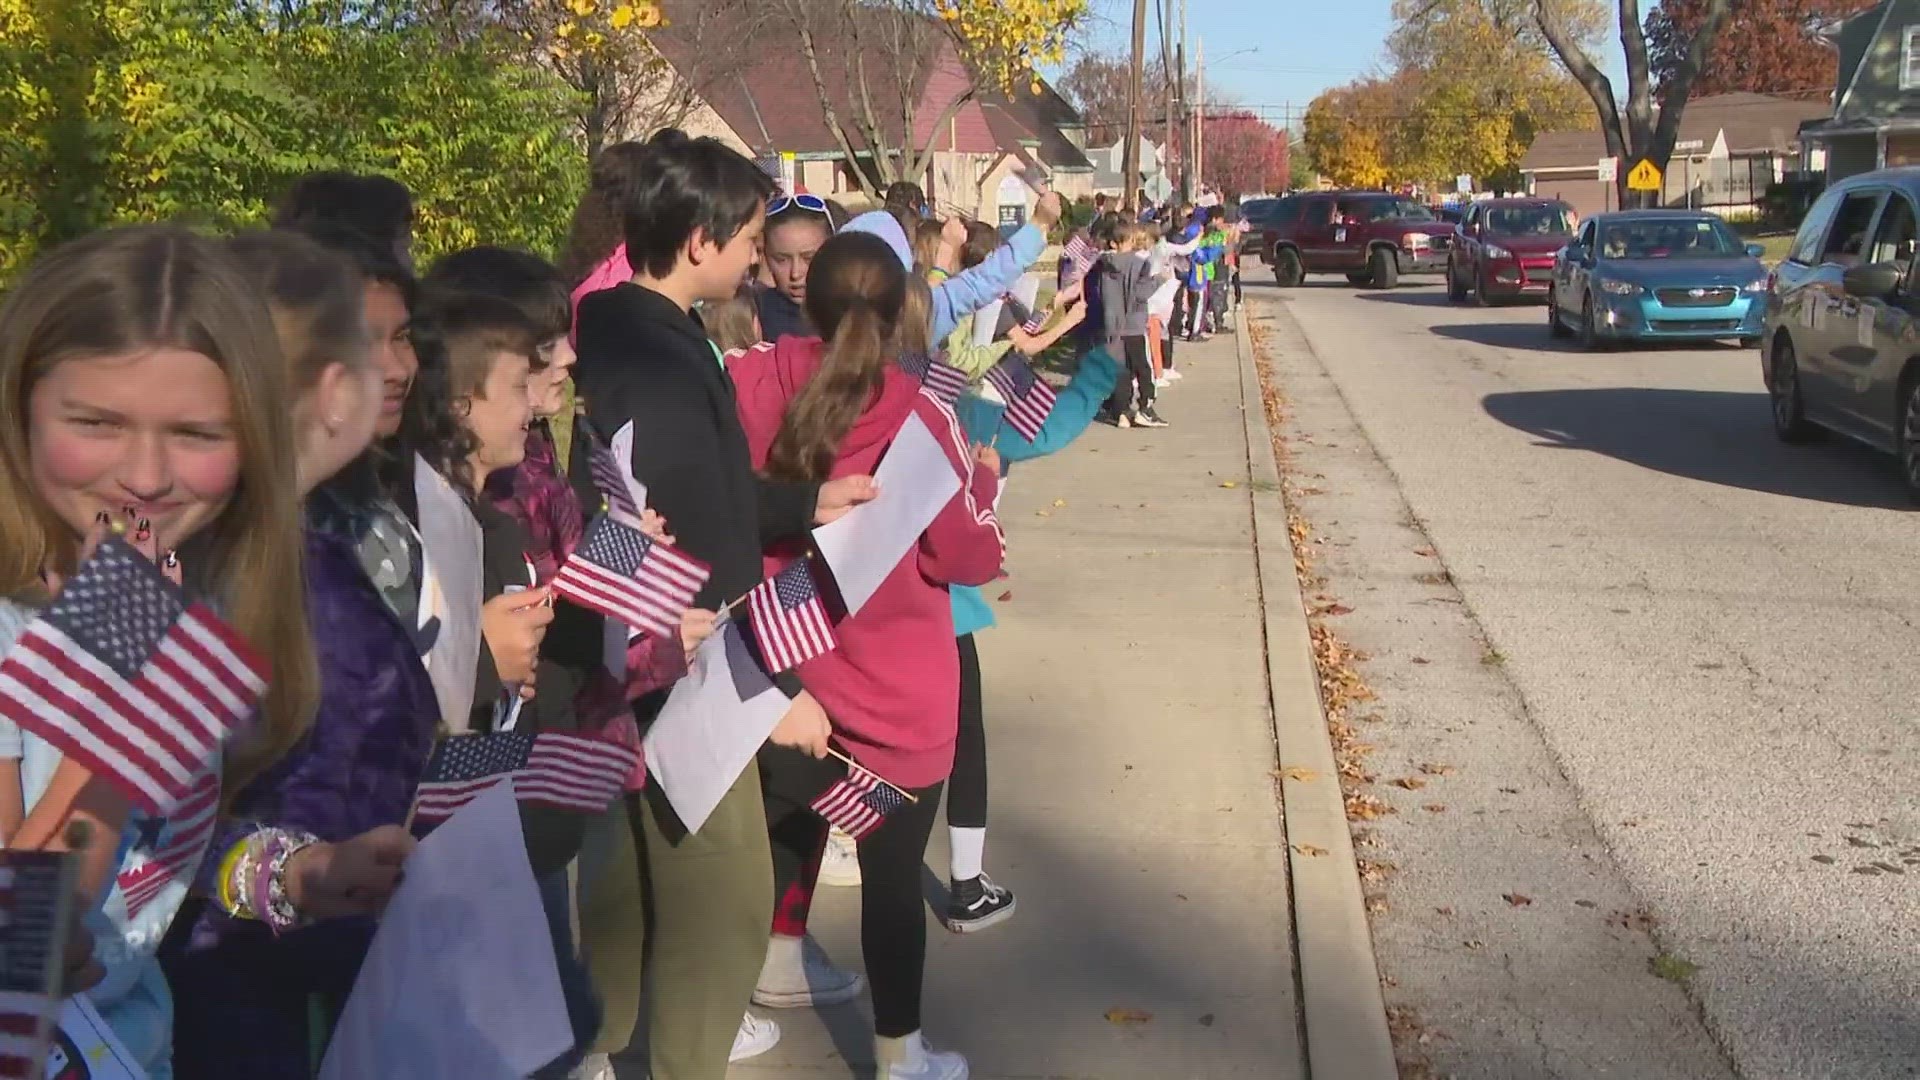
(1207, 1020)
(1435, 808)
(1334, 609)
(1432, 768)
(1411, 783)
(1421, 660)
(1474, 943)
(1424, 552)
(1299, 774)
(1059, 502)
(1824, 859)
(1228, 484)
(1585, 904)
(1119, 1015)
(1509, 791)
(1043, 513)
(1309, 850)
(1443, 910)
(1516, 899)
(1006, 596)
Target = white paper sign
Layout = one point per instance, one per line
(916, 480)
(712, 725)
(450, 588)
(985, 322)
(85, 1047)
(621, 446)
(461, 978)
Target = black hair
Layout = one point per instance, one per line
(1216, 213)
(444, 324)
(685, 184)
(1106, 227)
(905, 195)
(376, 261)
(378, 206)
(527, 282)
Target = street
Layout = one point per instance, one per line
(1647, 677)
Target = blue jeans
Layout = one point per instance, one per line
(583, 1010)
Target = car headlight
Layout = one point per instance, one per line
(1760, 284)
(1495, 251)
(1618, 288)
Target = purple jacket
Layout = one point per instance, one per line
(356, 768)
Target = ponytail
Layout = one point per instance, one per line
(821, 414)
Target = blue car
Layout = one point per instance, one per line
(1657, 275)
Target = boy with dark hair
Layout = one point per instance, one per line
(906, 195)
(692, 216)
(378, 207)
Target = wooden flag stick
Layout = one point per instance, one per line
(904, 793)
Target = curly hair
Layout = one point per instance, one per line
(598, 222)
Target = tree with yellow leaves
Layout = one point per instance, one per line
(933, 55)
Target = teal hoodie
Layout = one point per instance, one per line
(982, 420)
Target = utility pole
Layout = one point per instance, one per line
(1130, 196)
(1167, 152)
(1200, 126)
(1186, 118)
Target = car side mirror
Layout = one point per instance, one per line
(1756, 250)
(1576, 254)
(1874, 281)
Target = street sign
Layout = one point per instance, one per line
(1644, 176)
(1690, 144)
(1463, 183)
(1608, 170)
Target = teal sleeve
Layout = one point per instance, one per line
(1075, 408)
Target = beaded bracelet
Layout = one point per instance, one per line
(254, 885)
(279, 913)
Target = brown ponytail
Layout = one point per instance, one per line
(855, 290)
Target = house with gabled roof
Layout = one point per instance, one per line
(989, 157)
(1875, 117)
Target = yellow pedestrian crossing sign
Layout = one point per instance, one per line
(1644, 176)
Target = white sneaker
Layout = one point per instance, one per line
(1173, 375)
(812, 980)
(841, 864)
(912, 1059)
(755, 1037)
(593, 1067)
(1163, 382)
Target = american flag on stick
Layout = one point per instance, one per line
(1080, 252)
(610, 477)
(859, 801)
(946, 382)
(181, 841)
(789, 619)
(126, 677)
(571, 772)
(36, 903)
(1029, 399)
(625, 575)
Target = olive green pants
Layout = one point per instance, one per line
(677, 922)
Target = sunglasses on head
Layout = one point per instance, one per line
(805, 202)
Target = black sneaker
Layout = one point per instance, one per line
(976, 904)
(1148, 418)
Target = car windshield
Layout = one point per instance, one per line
(1542, 220)
(1364, 210)
(1696, 238)
(1258, 210)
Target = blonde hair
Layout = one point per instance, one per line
(926, 244)
(162, 286)
(733, 323)
(915, 328)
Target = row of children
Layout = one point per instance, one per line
(294, 405)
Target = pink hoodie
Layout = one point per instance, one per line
(892, 688)
(612, 271)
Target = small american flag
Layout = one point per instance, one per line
(1036, 322)
(946, 382)
(789, 619)
(181, 840)
(35, 905)
(625, 575)
(610, 478)
(1080, 252)
(127, 678)
(858, 802)
(572, 772)
(1029, 398)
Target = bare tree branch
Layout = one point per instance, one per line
(1587, 74)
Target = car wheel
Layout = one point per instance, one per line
(1590, 339)
(1910, 439)
(1456, 289)
(1783, 391)
(1386, 269)
(1361, 279)
(1750, 342)
(1287, 271)
(1555, 328)
(1480, 290)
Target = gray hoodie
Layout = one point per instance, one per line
(1126, 284)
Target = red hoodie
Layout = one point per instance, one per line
(892, 688)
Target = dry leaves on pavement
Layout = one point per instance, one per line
(1125, 1016)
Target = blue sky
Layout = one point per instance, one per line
(1273, 55)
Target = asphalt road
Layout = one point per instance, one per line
(1664, 668)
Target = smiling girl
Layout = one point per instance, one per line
(139, 381)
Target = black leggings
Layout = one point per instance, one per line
(967, 791)
(1134, 390)
(893, 922)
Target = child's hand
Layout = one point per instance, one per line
(513, 625)
(696, 626)
(1074, 315)
(954, 231)
(987, 458)
(839, 496)
(652, 524)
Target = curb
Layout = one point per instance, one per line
(1343, 1014)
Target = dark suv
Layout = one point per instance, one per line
(1842, 345)
(1370, 236)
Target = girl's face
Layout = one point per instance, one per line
(388, 321)
(547, 388)
(498, 416)
(789, 254)
(149, 432)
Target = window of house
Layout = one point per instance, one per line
(1910, 59)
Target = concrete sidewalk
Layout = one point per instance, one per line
(1134, 806)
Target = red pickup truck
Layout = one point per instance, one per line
(1372, 237)
(1506, 248)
